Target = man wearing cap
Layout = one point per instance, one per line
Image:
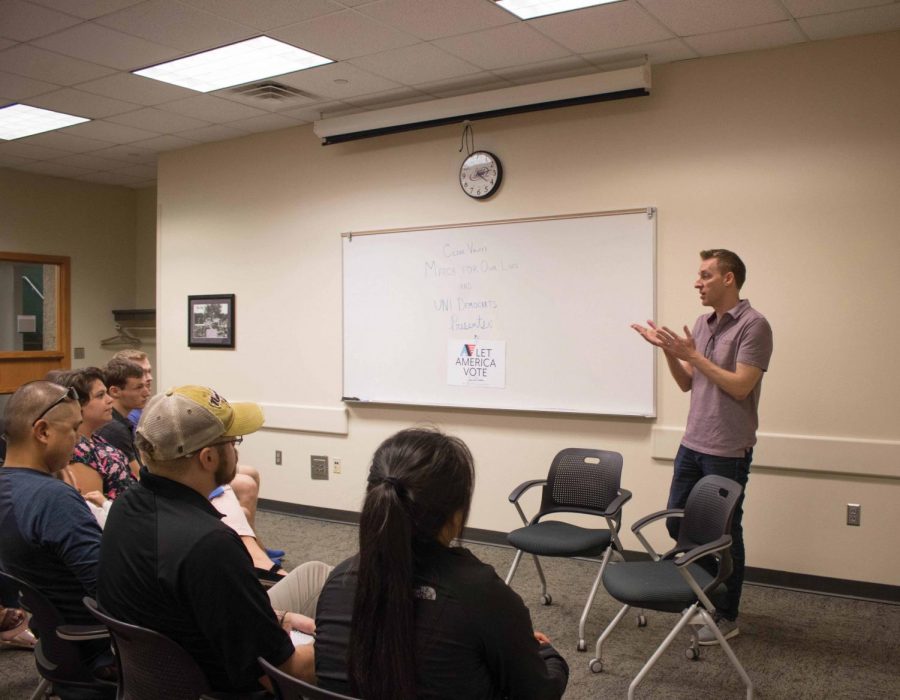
(48, 536)
(168, 563)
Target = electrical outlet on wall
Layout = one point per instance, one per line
(336, 465)
(854, 514)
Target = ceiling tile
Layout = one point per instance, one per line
(280, 104)
(213, 109)
(128, 153)
(112, 177)
(338, 81)
(107, 47)
(136, 88)
(23, 21)
(6, 43)
(107, 131)
(172, 24)
(478, 82)
(688, 17)
(657, 52)
(158, 120)
(343, 35)
(39, 64)
(21, 149)
(431, 19)
(55, 168)
(885, 18)
(143, 172)
(268, 14)
(804, 8)
(411, 65)
(165, 143)
(765, 36)
(601, 28)
(547, 70)
(355, 3)
(268, 122)
(64, 141)
(501, 47)
(87, 9)
(88, 161)
(213, 132)
(7, 161)
(319, 111)
(17, 87)
(81, 104)
(391, 98)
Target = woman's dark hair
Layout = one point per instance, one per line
(419, 480)
(82, 380)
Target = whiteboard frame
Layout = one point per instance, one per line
(650, 212)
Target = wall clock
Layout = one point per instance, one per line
(480, 174)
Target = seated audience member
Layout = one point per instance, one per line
(95, 465)
(412, 617)
(125, 384)
(48, 536)
(245, 484)
(199, 589)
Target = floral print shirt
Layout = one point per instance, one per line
(109, 462)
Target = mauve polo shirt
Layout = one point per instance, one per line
(718, 424)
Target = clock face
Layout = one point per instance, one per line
(480, 174)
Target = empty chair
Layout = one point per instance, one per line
(57, 655)
(579, 481)
(289, 688)
(674, 581)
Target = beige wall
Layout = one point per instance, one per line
(790, 156)
(95, 226)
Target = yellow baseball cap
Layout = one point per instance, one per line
(188, 418)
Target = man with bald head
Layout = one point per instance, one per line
(48, 536)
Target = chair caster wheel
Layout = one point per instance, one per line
(546, 599)
(582, 646)
(641, 621)
(692, 654)
(596, 666)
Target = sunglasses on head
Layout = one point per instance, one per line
(70, 395)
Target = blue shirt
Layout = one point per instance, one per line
(49, 538)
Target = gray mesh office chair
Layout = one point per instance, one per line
(579, 481)
(674, 581)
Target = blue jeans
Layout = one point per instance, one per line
(690, 467)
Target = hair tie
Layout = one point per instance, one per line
(393, 481)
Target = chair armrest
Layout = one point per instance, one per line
(647, 519)
(616, 504)
(717, 545)
(81, 633)
(523, 487)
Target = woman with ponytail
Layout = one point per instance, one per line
(412, 617)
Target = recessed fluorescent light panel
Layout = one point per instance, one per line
(235, 64)
(19, 121)
(529, 9)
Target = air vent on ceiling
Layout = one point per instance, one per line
(270, 91)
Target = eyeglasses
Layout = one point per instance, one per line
(233, 441)
(70, 395)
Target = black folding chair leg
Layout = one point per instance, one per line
(515, 565)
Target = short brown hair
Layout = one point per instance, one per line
(118, 371)
(130, 354)
(727, 262)
(82, 380)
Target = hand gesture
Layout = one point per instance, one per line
(675, 345)
(651, 334)
(541, 637)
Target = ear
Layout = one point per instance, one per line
(728, 278)
(113, 391)
(41, 431)
(208, 458)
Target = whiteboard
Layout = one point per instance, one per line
(528, 314)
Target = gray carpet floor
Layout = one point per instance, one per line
(793, 644)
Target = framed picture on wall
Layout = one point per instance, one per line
(211, 321)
